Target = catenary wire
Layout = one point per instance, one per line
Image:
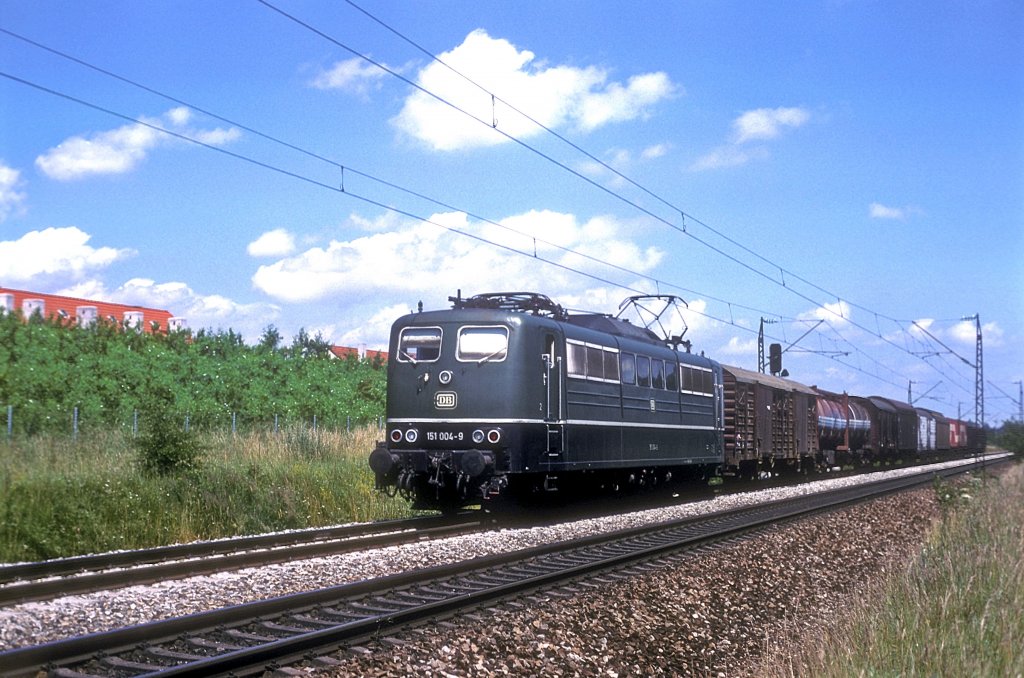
(370, 177)
(605, 189)
(377, 203)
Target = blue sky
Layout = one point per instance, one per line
(855, 162)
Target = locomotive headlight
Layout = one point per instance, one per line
(445, 377)
(396, 436)
(411, 435)
(493, 436)
(478, 436)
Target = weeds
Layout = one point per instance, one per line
(954, 612)
(63, 498)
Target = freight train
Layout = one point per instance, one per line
(510, 393)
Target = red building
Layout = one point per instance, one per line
(366, 354)
(84, 312)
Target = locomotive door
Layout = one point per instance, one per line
(553, 387)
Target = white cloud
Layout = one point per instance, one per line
(761, 124)
(354, 75)
(384, 222)
(621, 160)
(112, 152)
(179, 116)
(837, 313)
(373, 332)
(656, 151)
(51, 252)
(557, 96)
(617, 103)
(739, 347)
(880, 211)
(727, 156)
(966, 332)
(216, 137)
(121, 150)
(199, 310)
(11, 197)
(918, 327)
(767, 123)
(418, 258)
(276, 243)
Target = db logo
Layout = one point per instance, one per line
(445, 400)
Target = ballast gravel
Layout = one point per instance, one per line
(708, 614)
(714, 614)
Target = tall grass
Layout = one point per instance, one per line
(957, 611)
(62, 497)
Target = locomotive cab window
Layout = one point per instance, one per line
(482, 344)
(419, 344)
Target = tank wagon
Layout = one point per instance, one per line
(844, 427)
(509, 393)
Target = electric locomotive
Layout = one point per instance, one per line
(509, 392)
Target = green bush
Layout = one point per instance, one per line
(166, 449)
(48, 369)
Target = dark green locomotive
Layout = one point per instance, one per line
(509, 392)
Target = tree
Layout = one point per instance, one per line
(270, 340)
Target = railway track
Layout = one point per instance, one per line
(248, 638)
(44, 580)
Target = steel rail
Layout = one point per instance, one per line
(364, 609)
(48, 579)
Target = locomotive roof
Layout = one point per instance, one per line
(619, 328)
(532, 303)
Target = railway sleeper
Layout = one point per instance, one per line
(313, 621)
(251, 637)
(164, 653)
(398, 604)
(118, 663)
(341, 614)
(216, 645)
(374, 609)
(284, 628)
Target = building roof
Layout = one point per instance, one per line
(84, 311)
(364, 353)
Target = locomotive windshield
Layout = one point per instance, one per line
(419, 344)
(480, 344)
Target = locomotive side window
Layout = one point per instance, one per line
(697, 380)
(671, 377)
(611, 366)
(595, 362)
(657, 373)
(482, 344)
(419, 344)
(627, 366)
(643, 371)
(590, 361)
(576, 364)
